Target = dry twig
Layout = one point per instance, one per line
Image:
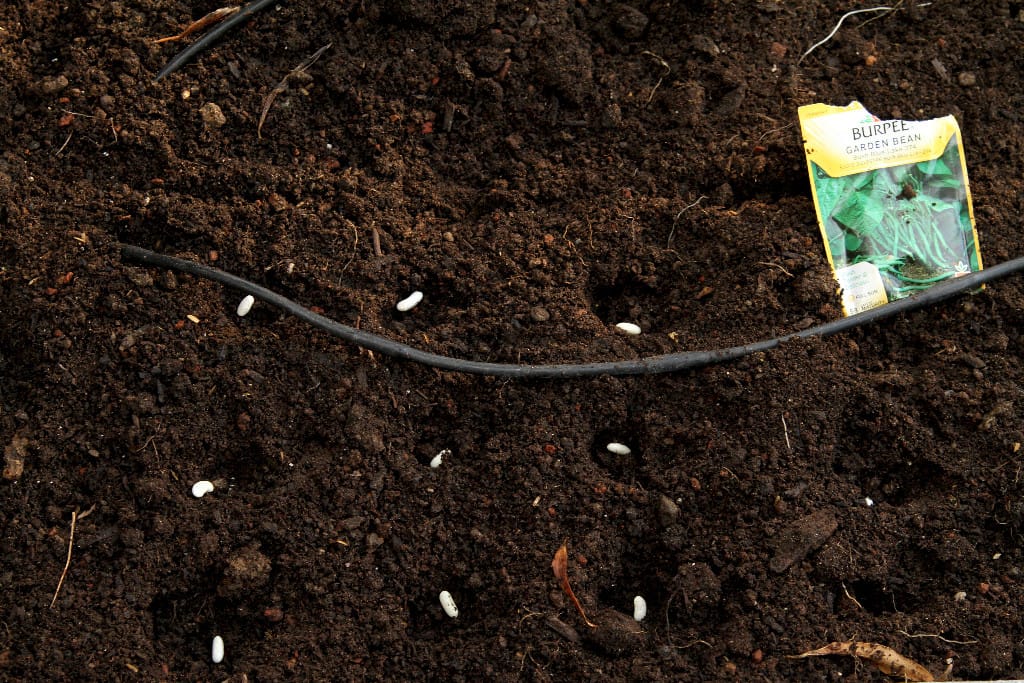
(283, 86)
(213, 17)
(936, 635)
(666, 72)
(884, 8)
(212, 36)
(71, 544)
(852, 599)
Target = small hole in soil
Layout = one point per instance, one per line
(906, 482)
(427, 618)
(878, 598)
(626, 302)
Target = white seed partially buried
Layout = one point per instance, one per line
(435, 462)
(448, 604)
(619, 448)
(201, 488)
(245, 305)
(410, 302)
(639, 608)
(217, 650)
(629, 328)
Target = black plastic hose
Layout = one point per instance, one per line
(212, 36)
(672, 362)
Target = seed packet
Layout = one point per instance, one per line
(892, 200)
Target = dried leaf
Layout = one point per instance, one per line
(885, 658)
(560, 566)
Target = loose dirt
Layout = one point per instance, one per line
(541, 172)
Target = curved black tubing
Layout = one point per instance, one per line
(643, 366)
(213, 35)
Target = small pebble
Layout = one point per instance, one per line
(967, 79)
(201, 488)
(52, 86)
(212, 116)
(619, 448)
(667, 511)
(410, 302)
(639, 608)
(629, 328)
(448, 604)
(869, 502)
(217, 651)
(246, 305)
(539, 314)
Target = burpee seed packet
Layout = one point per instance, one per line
(893, 202)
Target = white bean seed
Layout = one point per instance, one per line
(436, 461)
(245, 305)
(448, 604)
(201, 488)
(409, 302)
(217, 651)
(629, 328)
(619, 448)
(639, 608)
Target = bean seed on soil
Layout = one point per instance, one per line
(201, 488)
(245, 305)
(619, 448)
(448, 604)
(639, 608)
(629, 328)
(217, 651)
(410, 302)
(435, 462)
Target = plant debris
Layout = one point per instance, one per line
(560, 566)
(224, 26)
(213, 17)
(887, 660)
(283, 85)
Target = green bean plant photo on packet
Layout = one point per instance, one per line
(892, 200)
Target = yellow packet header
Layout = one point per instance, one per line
(846, 140)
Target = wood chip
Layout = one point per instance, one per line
(801, 538)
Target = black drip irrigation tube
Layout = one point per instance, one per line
(672, 362)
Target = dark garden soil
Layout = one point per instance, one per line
(541, 171)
